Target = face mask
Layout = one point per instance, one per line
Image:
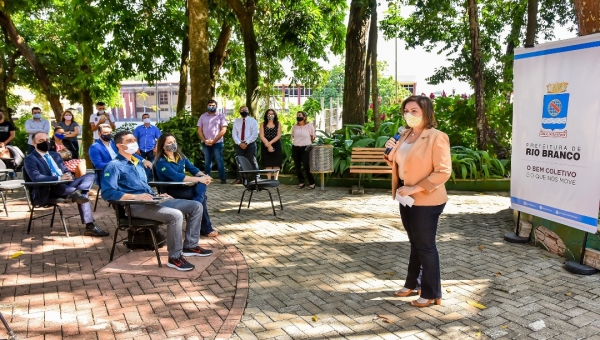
(1, 116)
(106, 138)
(244, 114)
(171, 147)
(43, 146)
(132, 148)
(412, 121)
(59, 135)
(37, 115)
(212, 109)
(68, 117)
(147, 121)
(299, 119)
(100, 112)
(270, 117)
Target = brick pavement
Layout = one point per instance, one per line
(324, 268)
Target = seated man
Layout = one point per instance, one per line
(46, 166)
(125, 179)
(104, 149)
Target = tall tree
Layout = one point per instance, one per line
(480, 117)
(199, 57)
(588, 16)
(373, 33)
(354, 85)
(8, 63)
(184, 64)
(532, 13)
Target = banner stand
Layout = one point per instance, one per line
(514, 237)
(578, 267)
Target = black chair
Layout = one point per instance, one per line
(98, 173)
(133, 224)
(53, 202)
(252, 182)
(16, 161)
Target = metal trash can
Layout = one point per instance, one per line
(321, 161)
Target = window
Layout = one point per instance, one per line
(410, 88)
(163, 98)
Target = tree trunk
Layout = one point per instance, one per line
(217, 56)
(184, 67)
(373, 36)
(354, 85)
(39, 70)
(477, 64)
(368, 78)
(199, 57)
(87, 134)
(532, 12)
(588, 16)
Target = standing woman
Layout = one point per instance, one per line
(303, 134)
(71, 129)
(67, 152)
(270, 135)
(421, 165)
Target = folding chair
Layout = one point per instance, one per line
(252, 182)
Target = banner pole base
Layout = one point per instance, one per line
(514, 238)
(580, 269)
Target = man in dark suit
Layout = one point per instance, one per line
(43, 165)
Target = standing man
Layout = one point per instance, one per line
(211, 128)
(7, 130)
(43, 165)
(147, 134)
(101, 117)
(245, 132)
(35, 125)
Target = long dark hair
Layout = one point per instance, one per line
(303, 115)
(160, 147)
(275, 119)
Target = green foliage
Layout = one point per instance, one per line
(21, 136)
(183, 127)
(126, 127)
(477, 165)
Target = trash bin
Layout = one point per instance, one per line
(321, 161)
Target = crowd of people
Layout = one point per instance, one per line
(419, 158)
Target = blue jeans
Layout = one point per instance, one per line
(420, 223)
(200, 196)
(216, 151)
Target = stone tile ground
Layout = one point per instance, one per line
(324, 268)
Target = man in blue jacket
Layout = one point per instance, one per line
(124, 178)
(42, 165)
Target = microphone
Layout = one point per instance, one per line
(396, 138)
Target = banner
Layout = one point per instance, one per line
(555, 170)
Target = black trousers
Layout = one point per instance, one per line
(250, 153)
(420, 223)
(302, 164)
(83, 183)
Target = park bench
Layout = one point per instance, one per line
(367, 161)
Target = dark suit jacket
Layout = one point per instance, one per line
(38, 171)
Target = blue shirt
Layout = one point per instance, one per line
(146, 136)
(122, 176)
(173, 171)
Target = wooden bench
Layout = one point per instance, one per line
(367, 161)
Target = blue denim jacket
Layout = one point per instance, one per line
(171, 171)
(122, 176)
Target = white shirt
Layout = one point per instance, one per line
(59, 172)
(94, 118)
(401, 153)
(251, 130)
(110, 150)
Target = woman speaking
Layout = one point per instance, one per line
(421, 164)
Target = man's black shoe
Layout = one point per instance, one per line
(223, 181)
(77, 198)
(180, 264)
(95, 231)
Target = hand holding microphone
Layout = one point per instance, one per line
(389, 145)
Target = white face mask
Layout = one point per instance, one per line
(100, 112)
(146, 120)
(132, 148)
(412, 121)
(68, 117)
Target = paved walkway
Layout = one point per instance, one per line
(324, 268)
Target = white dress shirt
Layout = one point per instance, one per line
(95, 118)
(250, 134)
